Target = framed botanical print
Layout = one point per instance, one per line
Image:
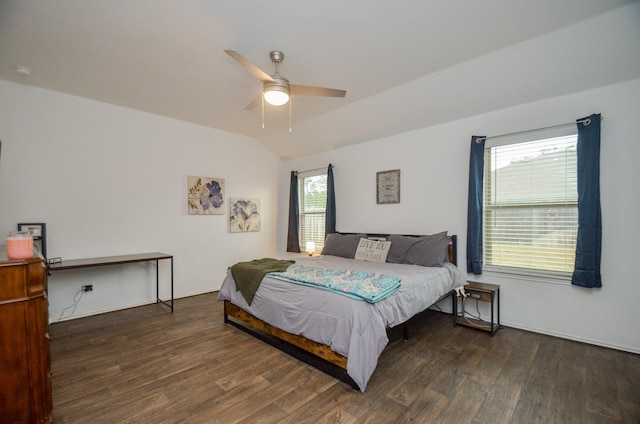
(244, 215)
(206, 196)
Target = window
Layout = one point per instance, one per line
(530, 203)
(312, 195)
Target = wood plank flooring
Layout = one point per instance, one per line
(146, 365)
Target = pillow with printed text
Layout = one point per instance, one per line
(372, 251)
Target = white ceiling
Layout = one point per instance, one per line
(405, 64)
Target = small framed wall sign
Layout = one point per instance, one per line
(388, 186)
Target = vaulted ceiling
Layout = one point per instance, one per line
(405, 64)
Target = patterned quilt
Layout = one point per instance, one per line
(356, 284)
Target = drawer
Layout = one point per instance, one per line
(12, 283)
(482, 296)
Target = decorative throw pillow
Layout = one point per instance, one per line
(372, 251)
(400, 245)
(427, 252)
(343, 245)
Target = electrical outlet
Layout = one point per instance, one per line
(87, 288)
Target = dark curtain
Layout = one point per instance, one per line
(474, 206)
(293, 242)
(589, 242)
(330, 215)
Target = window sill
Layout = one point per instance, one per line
(556, 280)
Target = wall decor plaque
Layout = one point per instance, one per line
(388, 186)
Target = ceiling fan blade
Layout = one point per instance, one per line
(254, 104)
(253, 69)
(307, 90)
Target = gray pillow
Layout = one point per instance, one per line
(344, 245)
(400, 245)
(428, 252)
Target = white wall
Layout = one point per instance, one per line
(434, 174)
(110, 181)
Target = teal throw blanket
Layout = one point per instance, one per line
(359, 285)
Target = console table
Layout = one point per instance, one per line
(119, 260)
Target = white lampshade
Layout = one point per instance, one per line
(276, 96)
(311, 247)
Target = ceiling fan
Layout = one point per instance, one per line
(276, 89)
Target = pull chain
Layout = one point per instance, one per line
(290, 101)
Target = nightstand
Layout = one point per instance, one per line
(482, 292)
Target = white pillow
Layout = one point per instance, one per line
(372, 251)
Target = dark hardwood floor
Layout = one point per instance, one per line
(146, 365)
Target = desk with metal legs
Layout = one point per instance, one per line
(118, 260)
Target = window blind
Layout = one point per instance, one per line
(530, 202)
(312, 195)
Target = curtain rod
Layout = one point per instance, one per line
(316, 169)
(585, 122)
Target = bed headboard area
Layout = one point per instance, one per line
(425, 250)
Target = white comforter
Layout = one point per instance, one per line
(353, 328)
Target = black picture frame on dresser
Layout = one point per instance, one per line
(38, 231)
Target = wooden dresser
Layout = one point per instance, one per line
(25, 364)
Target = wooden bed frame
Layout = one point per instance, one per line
(313, 353)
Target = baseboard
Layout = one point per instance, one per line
(123, 307)
(446, 308)
(570, 337)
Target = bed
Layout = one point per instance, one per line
(340, 334)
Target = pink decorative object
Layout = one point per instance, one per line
(19, 246)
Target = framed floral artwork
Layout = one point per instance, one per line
(244, 215)
(205, 196)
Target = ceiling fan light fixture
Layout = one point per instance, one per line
(276, 89)
(276, 95)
